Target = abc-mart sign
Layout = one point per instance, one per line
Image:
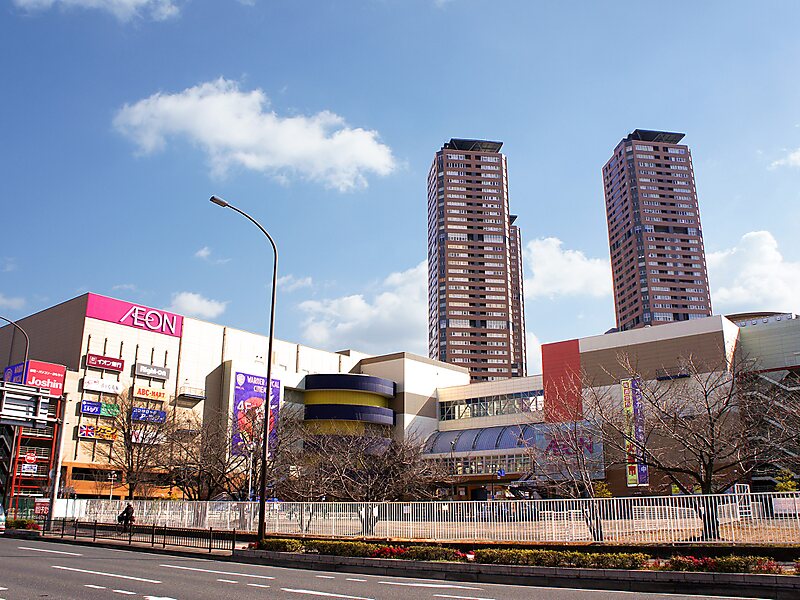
(134, 315)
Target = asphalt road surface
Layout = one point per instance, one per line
(37, 569)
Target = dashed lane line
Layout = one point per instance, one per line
(460, 597)
(257, 585)
(325, 594)
(49, 551)
(125, 592)
(94, 587)
(446, 586)
(227, 581)
(117, 575)
(216, 572)
(355, 579)
(325, 577)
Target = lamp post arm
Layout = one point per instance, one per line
(27, 339)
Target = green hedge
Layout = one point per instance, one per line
(555, 558)
(360, 549)
(722, 564)
(510, 556)
(280, 545)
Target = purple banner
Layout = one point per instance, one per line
(274, 412)
(249, 395)
(642, 472)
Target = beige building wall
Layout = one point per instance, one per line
(415, 403)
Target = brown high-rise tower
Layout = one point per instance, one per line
(657, 255)
(475, 300)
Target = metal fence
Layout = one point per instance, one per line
(155, 535)
(739, 518)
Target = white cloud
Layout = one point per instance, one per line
(127, 287)
(753, 276)
(11, 303)
(393, 320)
(203, 253)
(290, 283)
(533, 348)
(237, 128)
(8, 264)
(554, 271)
(790, 160)
(195, 305)
(124, 10)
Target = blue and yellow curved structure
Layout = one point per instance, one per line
(346, 404)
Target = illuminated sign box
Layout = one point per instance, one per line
(149, 393)
(105, 362)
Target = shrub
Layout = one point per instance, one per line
(29, 524)
(723, 564)
(553, 558)
(389, 552)
(280, 545)
(360, 549)
(432, 553)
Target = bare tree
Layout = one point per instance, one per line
(138, 445)
(200, 459)
(706, 426)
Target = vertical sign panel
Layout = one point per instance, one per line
(636, 472)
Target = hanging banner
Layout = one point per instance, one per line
(274, 411)
(149, 393)
(150, 415)
(636, 472)
(249, 394)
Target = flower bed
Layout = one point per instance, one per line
(28, 524)
(527, 557)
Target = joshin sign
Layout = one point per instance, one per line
(249, 394)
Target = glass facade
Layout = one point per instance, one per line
(490, 406)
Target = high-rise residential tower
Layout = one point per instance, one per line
(654, 233)
(475, 297)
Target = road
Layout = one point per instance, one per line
(37, 569)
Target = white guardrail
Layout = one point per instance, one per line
(744, 518)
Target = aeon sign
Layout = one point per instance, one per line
(134, 315)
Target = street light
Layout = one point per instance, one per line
(27, 343)
(262, 496)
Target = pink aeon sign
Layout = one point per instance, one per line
(134, 315)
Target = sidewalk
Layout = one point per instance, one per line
(158, 548)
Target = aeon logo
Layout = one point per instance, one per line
(149, 318)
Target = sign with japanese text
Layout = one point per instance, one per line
(148, 414)
(105, 362)
(99, 409)
(106, 386)
(636, 471)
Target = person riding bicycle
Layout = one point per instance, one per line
(126, 517)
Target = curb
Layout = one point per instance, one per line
(776, 587)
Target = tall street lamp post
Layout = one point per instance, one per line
(262, 496)
(27, 343)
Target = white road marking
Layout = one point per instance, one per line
(106, 574)
(325, 577)
(49, 551)
(227, 581)
(94, 587)
(216, 572)
(158, 598)
(460, 597)
(126, 592)
(432, 585)
(326, 594)
(258, 585)
(354, 579)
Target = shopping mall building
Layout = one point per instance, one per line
(483, 431)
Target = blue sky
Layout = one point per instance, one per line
(119, 118)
